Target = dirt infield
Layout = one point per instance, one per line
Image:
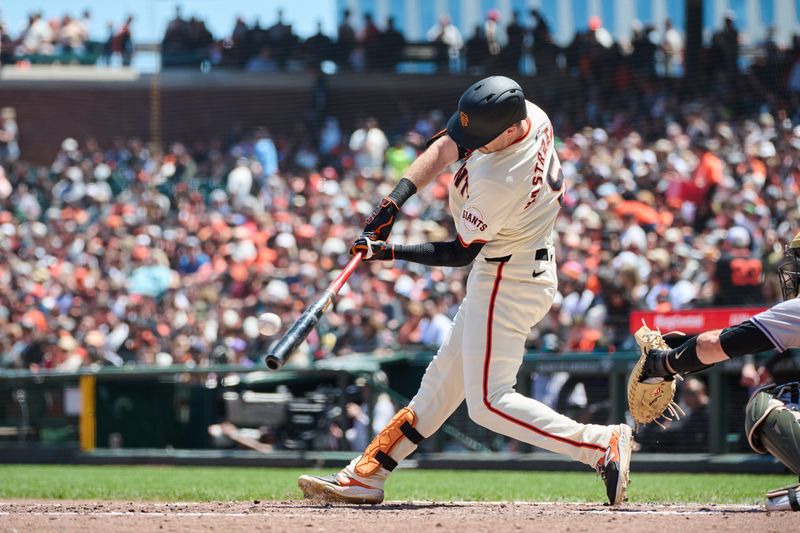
(406, 517)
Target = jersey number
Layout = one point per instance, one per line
(745, 272)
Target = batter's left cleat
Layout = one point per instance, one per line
(615, 465)
(338, 488)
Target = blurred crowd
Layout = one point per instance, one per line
(65, 39)
(48, 37)
(127, 254)
(520, 44)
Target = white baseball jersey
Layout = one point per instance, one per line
(510, 199)
(781, 324)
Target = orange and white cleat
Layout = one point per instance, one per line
(615, 466)
(338, 488)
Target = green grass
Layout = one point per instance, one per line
(227, 484)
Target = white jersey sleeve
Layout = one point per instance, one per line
(781, 324)
(485, 212)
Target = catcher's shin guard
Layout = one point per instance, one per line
(772, 423)
(377, 453)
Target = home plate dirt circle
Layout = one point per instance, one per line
(405, 517)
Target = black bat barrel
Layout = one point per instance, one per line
(297, 333)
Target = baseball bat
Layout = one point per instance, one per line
(309, 319)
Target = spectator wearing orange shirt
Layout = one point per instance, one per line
(705, 178)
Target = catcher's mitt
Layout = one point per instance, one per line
(652, 398)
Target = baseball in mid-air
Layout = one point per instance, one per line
(269, 324)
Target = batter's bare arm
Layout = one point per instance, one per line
(439, 153)
(430, 163)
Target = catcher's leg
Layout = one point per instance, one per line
(440, 392)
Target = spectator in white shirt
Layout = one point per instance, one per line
(369, 144)
(445, 32)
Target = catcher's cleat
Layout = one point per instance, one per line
(615, 465)
(785, 499)
(338, 488)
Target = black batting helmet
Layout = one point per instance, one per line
(485, 110)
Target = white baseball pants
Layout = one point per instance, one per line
(479, 361)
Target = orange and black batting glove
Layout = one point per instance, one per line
(382, 219)
(372, 249)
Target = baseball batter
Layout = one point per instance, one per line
(504, 198)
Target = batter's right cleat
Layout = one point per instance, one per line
(615, 465)
(338, 488)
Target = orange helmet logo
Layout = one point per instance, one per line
(464, 119)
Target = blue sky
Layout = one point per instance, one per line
(151, 16)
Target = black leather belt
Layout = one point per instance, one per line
(541, 255)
